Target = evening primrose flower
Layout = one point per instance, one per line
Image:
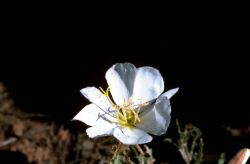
(131, 108)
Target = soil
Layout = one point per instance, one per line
(31, 138)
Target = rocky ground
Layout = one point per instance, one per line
(31, 138)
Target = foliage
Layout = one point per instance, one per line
(132, 154)
(189, 144)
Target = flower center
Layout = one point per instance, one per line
(127, 114)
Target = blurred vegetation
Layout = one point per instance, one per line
(31, 138)
(190, 143)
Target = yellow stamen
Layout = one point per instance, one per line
(106, 94)
(127, 114)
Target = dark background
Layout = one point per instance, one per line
(46, 61)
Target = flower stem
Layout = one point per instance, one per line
(139, 149)
(117, 151)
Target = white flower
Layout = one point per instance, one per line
(137, 106)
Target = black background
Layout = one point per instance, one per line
(46, 60)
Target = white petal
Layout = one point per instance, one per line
(156, 118)
(170, 93)
(120, 78)
(132, 136)
(247, 155)
(95, 96)
(100, 131)
(92, 115)
(148, 84)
